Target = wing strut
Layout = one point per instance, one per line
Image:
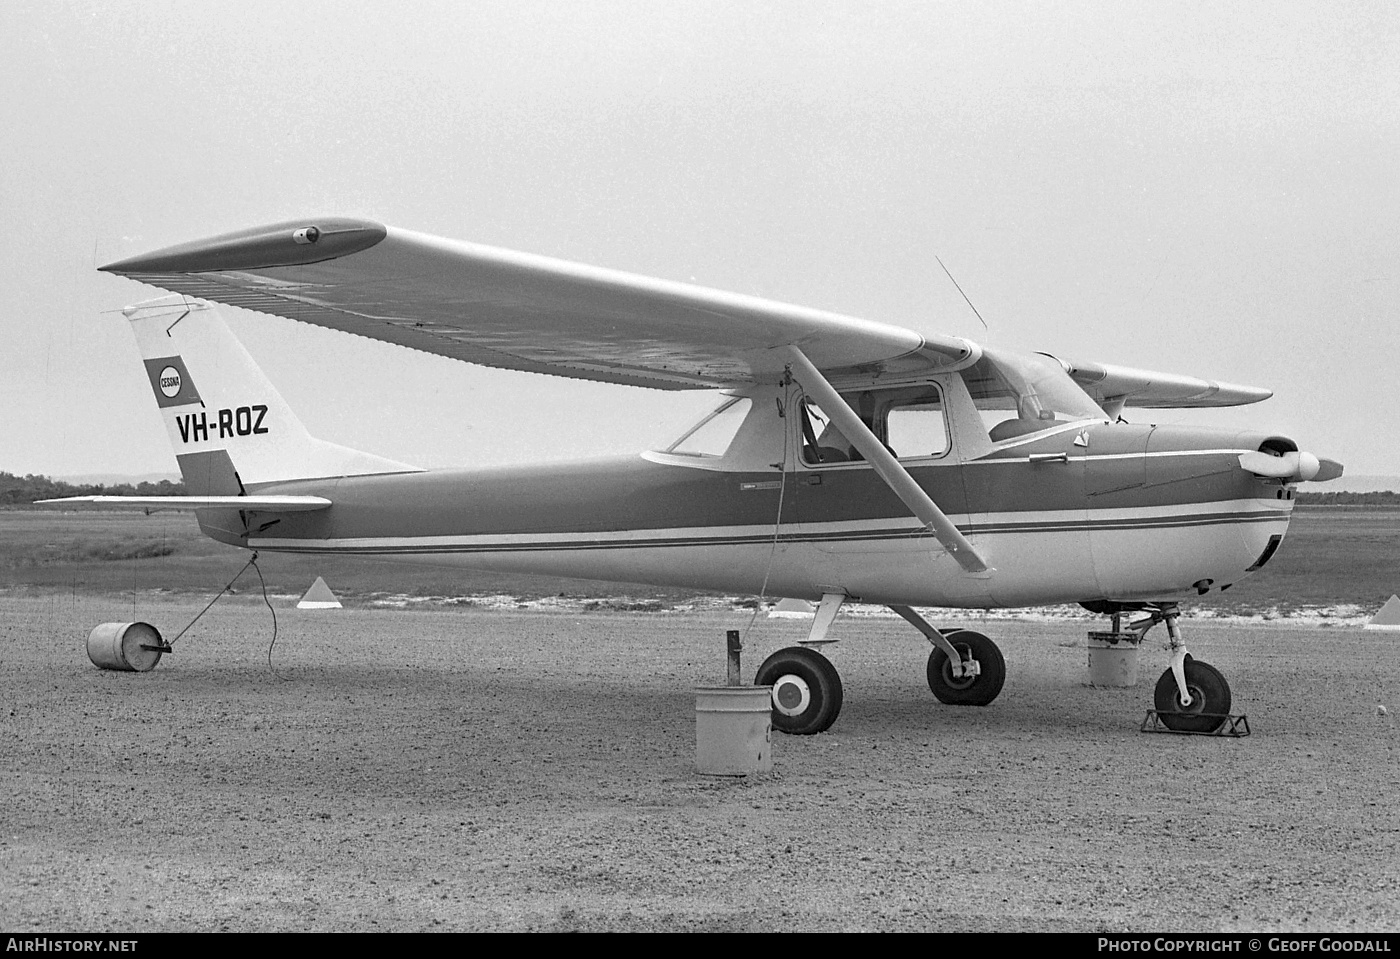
(886, 466)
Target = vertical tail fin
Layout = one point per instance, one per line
(229, 426)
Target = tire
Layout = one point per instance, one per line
(977, 691)
(806, 690)
(1210, 699)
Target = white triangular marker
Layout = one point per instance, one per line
(792, 609)
(1388, 617)
(319, 596)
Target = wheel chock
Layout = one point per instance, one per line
(1236, 727)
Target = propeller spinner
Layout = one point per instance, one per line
(1293, 467)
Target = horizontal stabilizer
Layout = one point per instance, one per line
(260, 504)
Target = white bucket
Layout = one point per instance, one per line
(119, 646)
(733, 730)
(1113, 659)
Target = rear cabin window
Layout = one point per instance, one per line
(715, 431)
(910, 422)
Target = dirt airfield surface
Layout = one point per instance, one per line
(477, 770)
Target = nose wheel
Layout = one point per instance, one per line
(806, 690)
(1190, 696)
(1209, 707)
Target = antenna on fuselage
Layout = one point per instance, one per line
(964, 295)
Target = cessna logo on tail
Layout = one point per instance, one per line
(242, 421)
(171, 382)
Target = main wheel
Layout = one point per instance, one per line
(1210, 699)
(977, 690)
(806, 690)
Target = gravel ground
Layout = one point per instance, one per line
(475, 770)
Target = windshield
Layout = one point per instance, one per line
(1019, 394)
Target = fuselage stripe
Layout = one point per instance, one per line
(628, 540)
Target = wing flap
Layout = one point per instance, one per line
(519, 311)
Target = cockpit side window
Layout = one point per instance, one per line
(909, 421)
(822, 442)
(915, 424)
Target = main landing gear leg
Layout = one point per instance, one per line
(1191, 696)
(965, 667)
(806, 686)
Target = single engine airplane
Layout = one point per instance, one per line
(845, 459)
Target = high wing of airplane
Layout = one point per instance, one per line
(845, 459)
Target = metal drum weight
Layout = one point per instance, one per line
(130, 647)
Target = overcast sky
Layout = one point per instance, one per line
(1201, 188)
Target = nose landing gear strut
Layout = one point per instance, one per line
(1191, 697)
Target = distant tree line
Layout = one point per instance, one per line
(17, 490)
(1385, 498)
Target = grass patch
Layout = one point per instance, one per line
(121, 551)
(44, 555)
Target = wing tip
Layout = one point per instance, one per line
(289, 243)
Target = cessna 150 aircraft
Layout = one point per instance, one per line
(844, 460)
